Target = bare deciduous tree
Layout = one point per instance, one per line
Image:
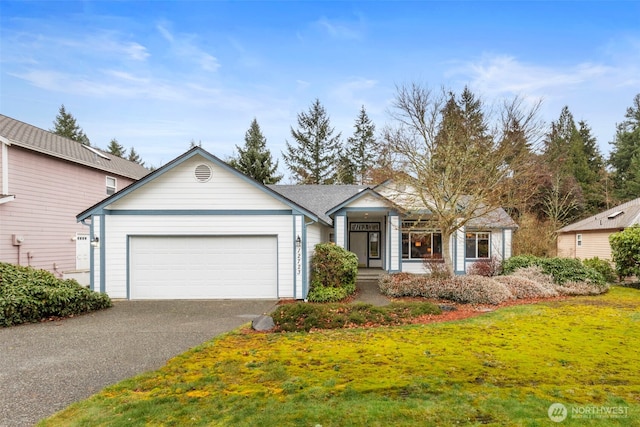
(454, 165)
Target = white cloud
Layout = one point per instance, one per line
(340, 30)
(352, 91)
(183, 46)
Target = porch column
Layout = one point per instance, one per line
(340, 229)
(395, 247)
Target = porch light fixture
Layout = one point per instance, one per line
(298, 242)
(95, 242)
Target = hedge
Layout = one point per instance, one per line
(30, 295)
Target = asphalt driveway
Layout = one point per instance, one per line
(46, 366)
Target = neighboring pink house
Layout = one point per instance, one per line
(45, 181)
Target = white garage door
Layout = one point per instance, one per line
(187, 267)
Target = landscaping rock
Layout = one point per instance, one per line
(263, 323)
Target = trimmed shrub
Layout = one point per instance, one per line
(603, 267)
(581, 288)
(522, 287)
(562, 270)
(333, 273)
(302, 316)
(30, 295)
(463, 289)
(625, 250)
(535, 274)
(476, 290)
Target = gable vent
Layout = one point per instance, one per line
(203, 173)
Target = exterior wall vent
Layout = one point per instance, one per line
(203, 173)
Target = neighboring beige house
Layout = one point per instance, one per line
(590, 237)
(45, 179)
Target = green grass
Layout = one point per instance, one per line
(502, 368)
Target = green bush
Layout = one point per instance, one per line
(625, 251)
(29, 295)
(302, 316)
(563, 270)
(603, 267)
(333, 273)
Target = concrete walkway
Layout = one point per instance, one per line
(368, 292)
(44, 367)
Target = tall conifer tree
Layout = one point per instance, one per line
(314, 158)
(66, 125)
(360, 148)
(254, 159)
(626, 148)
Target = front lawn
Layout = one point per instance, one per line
(501, 368)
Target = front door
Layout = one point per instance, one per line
(358, 245)
(82, 251)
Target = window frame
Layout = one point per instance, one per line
(476, 239)
(579, 240)
(114, 187)
(421, 228)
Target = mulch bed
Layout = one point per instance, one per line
(456, 311)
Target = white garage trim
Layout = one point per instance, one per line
(202, 267)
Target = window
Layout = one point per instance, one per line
(419, 244)
(578, 240)
(374, 245)
(111, 185)
(477, 244)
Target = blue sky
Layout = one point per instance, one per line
(158, 74)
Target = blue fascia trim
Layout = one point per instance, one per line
(92, 264)
(305, 282)
(360, 194)
(278, 267)
(128, 268)
(176, 162)
(295, 276)
(399, 244)
(103, 256)
(199, 212)
(360, 209)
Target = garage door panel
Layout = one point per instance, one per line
(194, 267)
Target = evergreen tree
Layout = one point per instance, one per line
(626, 148)
(116, 149)
(65, 125)
(254, 159)
(134, 157)
(360, 148)
(574, 159)
(346, 170)
(315, 156)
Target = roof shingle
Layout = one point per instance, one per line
(616, 218)
(33, 138)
